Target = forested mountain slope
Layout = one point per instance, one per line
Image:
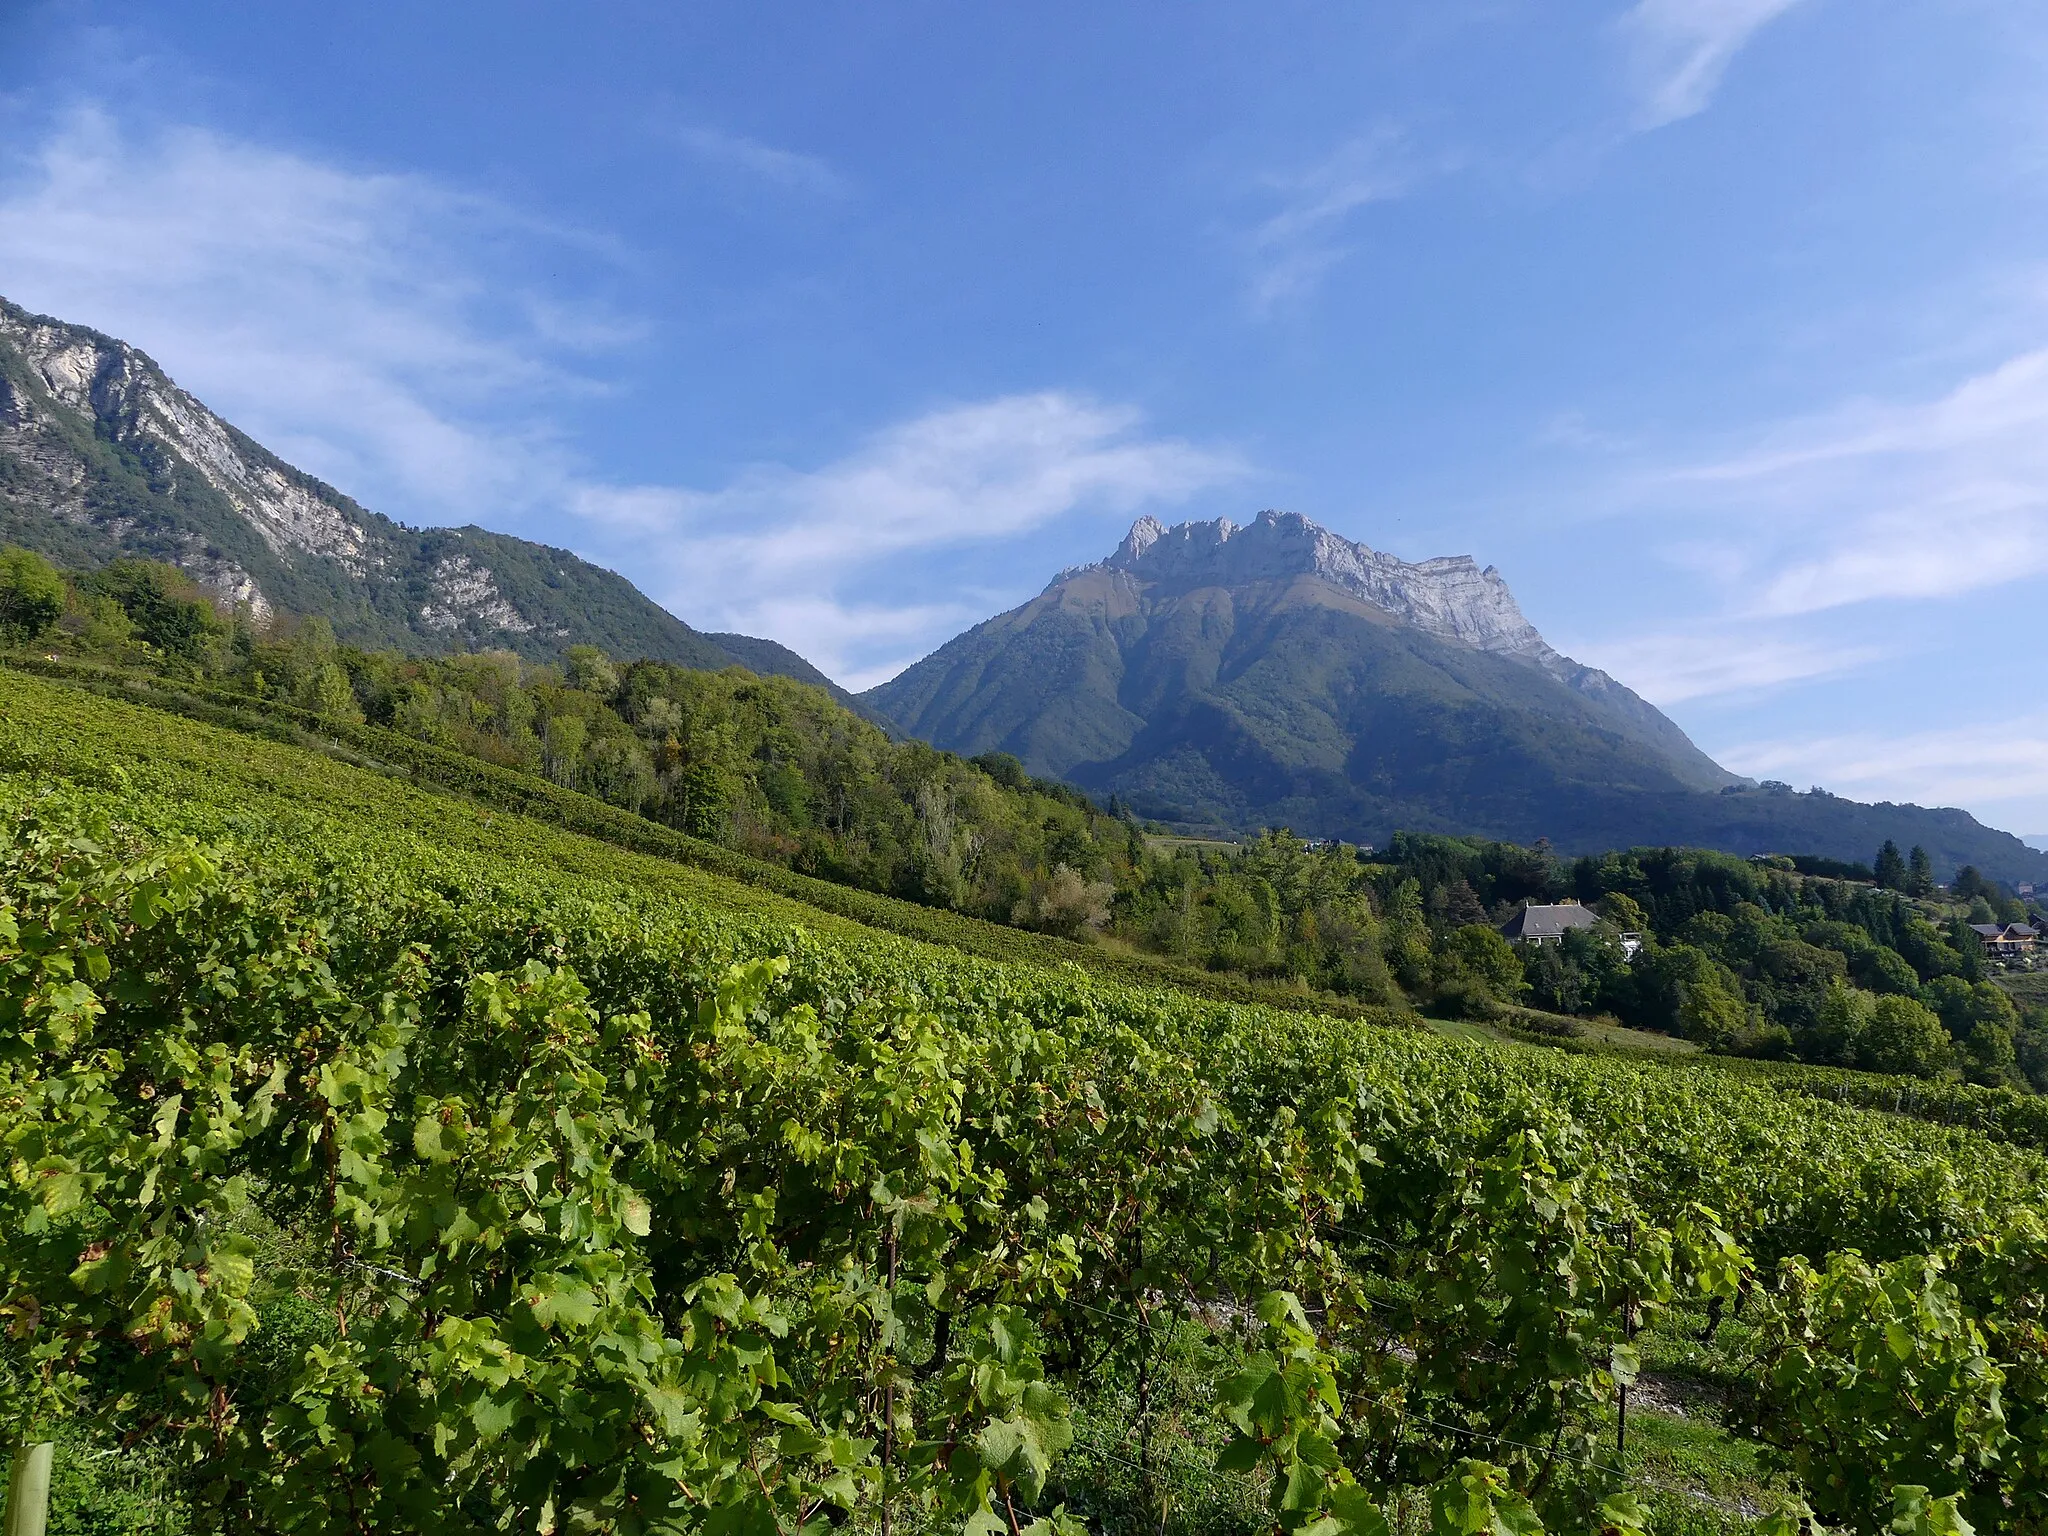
(102, 455)
(1278, 675)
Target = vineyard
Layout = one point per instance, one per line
(400, 756)
(377, 1160)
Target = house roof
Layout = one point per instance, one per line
(1548, 922)
(2005, 930)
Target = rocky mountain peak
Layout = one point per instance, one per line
(1448, 596)
(103, 456)
(1145, 532)
(120, 392)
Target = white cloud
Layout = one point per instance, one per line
(967, 474)
(340, 317)
(1679, 49)
(1296, 247)
(1872, 502)
(832, 634)
(770, 551)
(356, 324)
(787, 168)
(1720, 660)
(2004, 760)
(1876, 501)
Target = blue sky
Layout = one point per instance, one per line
(1720, 326)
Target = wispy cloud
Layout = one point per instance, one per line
(784, 167)
(1880, 500)
(1715, 661)
(2005, 760)
(379, 331)
(348, 319)
(1571, 430)
(776, 548)
(1295, 247)
(1873, 502)
(1677, 51)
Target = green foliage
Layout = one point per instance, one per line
(405, 1165)
(1478, 1500)
(160, 601)
(328, 693)
(1710, 1008)
(1881, 1380)
(32, 594)
(1483, 953)
(1919, 873)
(1284, 1406)
(101, 1490)
(1904, 1037)
(1916, 1513)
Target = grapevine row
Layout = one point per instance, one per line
(409, 1187)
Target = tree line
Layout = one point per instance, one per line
(1823, 961)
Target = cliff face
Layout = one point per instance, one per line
(68, 384)
(102, 455)
(1450, 597)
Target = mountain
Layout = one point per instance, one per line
(101, 455)
(1218, 676)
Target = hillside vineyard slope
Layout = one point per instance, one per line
(1219, 676)
(102, 455)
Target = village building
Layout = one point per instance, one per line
(1536, 924)
(2007, 941)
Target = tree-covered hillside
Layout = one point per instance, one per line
(769, 766)
(1815, 962)
(1758, 957)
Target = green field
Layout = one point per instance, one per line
(381, 1159)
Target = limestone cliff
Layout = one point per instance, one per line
(1450, 597)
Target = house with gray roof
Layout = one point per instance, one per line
(1536, 924)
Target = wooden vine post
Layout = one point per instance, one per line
(28, 1488)
(1628, 1331)
(889, 1405)
(1148, 1484)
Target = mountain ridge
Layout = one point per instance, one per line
(103, 455)
(1448, 596)
(1212, 675)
